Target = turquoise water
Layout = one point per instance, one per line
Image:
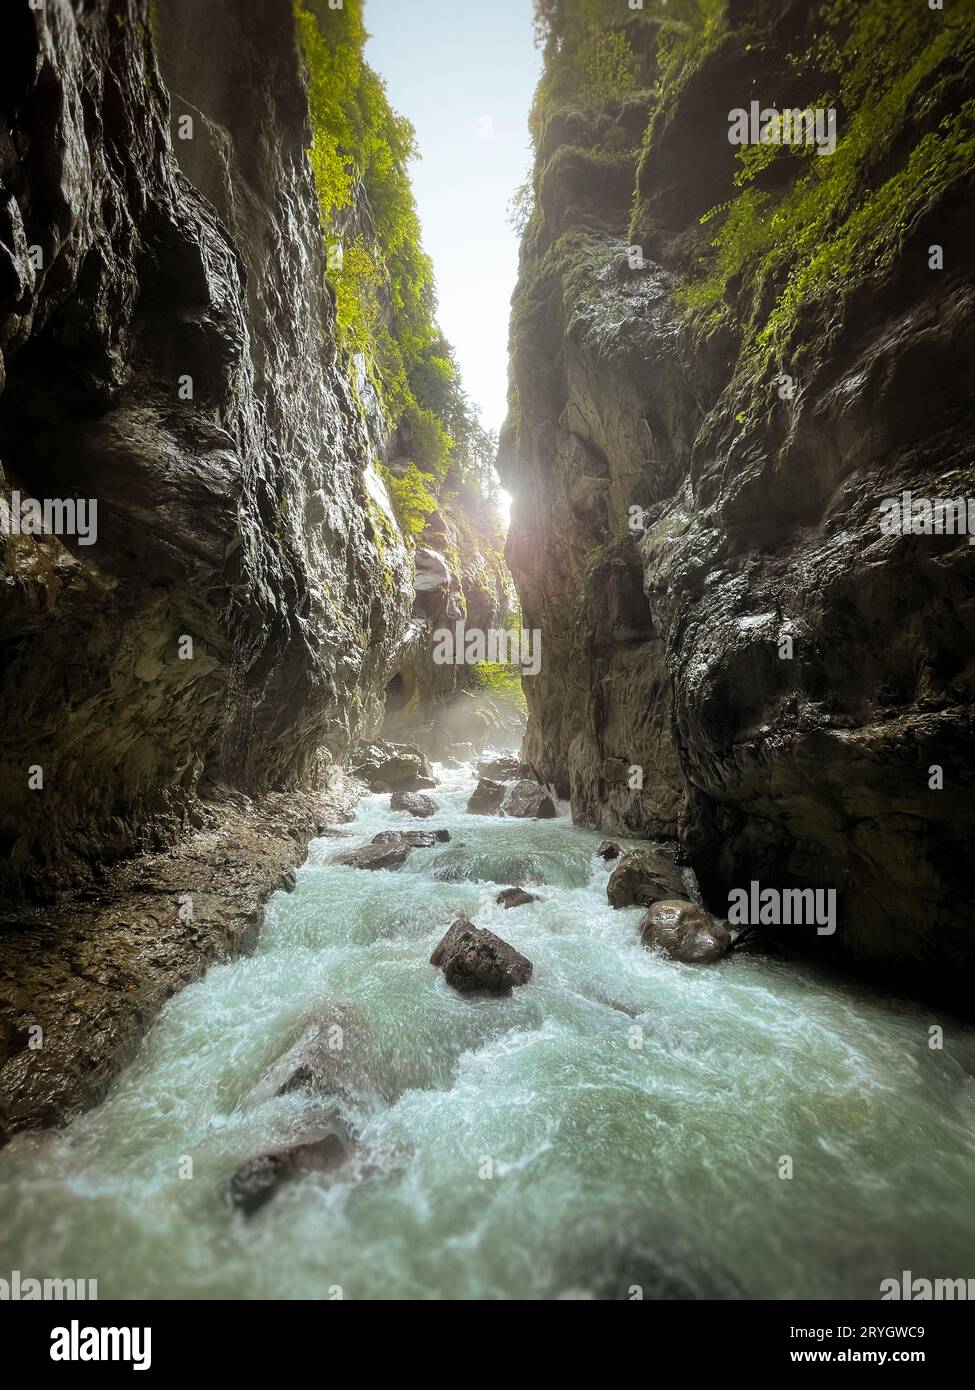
(632, 1111)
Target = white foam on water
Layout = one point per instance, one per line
(612, 1165)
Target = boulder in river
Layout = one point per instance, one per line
(458, 754)
(642, 878)
(417, 803)
(393, 767)
(256, 1181)
(608, 849)
(486, 798)
(503, 769)
(473, 958)
(386, 854)
(416, 839)
(516, 897)
(318, 1060)
(683, 932)
(528, 800)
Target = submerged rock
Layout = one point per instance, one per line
(643, 877)
(416, 803)
(608, 849)
(486, 798)
(256, 1181)
(683, 932)
(516, 897)
(339, 1057)
(504, 769)
(473, 958)
(317, 1061)
(529, 800)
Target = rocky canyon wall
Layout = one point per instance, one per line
(169, 350)
(724, 360)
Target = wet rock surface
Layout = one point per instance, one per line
(522, 799)
(685, 933)
(256, 1181)
(419, 839)
(92, 971)
(389, 767)
(235, 516)
(499, 769)
(757, 519)
(486, 798)
(473, 958)
(642, 877)
(528, 800)
(387, 854)
(415, 802)
(608, 850)
(516, 897)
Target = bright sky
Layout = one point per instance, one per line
(464, 72)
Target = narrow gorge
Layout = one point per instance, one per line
(439, 873)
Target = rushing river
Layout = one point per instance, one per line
(633, 1112)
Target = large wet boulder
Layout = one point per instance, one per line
(256, 1181)
(643, 877)
(683, 932)
(416, 839)
(416, 803)
(393, 767)
(504, 769)
(528, 801)
(486, 798)
(386, 854)
(516, 897)
(473, 958)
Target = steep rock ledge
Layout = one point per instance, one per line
(655, 386)
(245, 517)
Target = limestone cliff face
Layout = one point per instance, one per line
(168, 349)
(659, 385)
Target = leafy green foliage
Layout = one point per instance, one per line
(412, 501)
(610, 69)
(501, 680)
(385, 306)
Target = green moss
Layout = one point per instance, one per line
(384, 535)
(893, 69)
(385, 305)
